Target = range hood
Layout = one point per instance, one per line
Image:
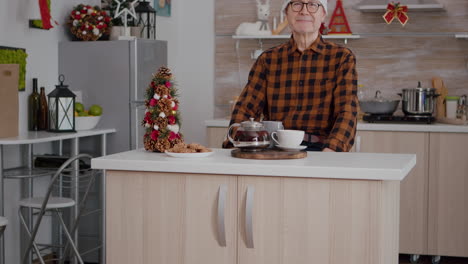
(413, 5)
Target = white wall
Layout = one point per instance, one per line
(190, 35)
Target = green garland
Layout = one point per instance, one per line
(15, 56)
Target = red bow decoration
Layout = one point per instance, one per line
(396, 11)
(45, 14)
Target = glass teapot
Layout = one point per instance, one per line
(250, 136)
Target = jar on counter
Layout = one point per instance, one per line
(451, 103)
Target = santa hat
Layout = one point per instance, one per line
(323, 2)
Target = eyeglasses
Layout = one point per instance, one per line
(297, 6)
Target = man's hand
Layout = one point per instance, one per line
(327, 150)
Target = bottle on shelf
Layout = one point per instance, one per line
(33, 106)
(361, 96)
(43, 111)
(461, 111)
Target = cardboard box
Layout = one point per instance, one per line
(9, 74)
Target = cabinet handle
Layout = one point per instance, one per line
(221, 214)
(358, 144)
(248, 216)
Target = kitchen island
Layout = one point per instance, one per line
(326, 208)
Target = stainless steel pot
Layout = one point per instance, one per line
(379, 105)
(419, 101)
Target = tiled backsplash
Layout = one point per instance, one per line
(389, 57)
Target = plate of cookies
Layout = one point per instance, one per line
(192, 150)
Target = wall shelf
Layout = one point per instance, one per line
(260, 37)
(461, 35)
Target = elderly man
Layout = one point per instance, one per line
(307, 83)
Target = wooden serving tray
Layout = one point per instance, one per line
(269, 154)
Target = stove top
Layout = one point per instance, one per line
(425, 119)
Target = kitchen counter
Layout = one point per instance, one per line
(362, 166)
(364, 126)
(331, 207)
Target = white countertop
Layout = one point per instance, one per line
(32, 137)
(364, 126)
(365, 166)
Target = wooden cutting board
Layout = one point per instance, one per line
(439, 85)
(270, 154)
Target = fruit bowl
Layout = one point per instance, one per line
(86, 122)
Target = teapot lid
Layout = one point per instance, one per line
(251, 124)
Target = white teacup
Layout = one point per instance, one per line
(272, 126)
(288, 138)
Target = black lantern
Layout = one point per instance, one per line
(146, 19)
(61, 108)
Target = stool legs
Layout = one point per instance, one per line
(70, 239)
(31, 239)
(32, 236)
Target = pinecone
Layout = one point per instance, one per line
(161, 90)
(161, 122)
(164, 73)
(165, 106)
(177, 141)
(163, 145)
(150, 145)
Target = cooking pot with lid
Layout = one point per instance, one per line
(379, 105)
(418, 101)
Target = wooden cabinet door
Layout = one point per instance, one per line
(215, 136)
(414, 188)
(170, 218)
(448, 195)
(301, 220)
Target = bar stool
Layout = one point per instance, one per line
(56, 205)
(3, 224)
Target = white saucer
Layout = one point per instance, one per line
(189, 155)
(300, 147)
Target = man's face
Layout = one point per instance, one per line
(305, 20)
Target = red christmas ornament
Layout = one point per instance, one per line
(338, 22)
(153, 102)
(171, 120)
(173, 135)
(155, 135)
(395, 10)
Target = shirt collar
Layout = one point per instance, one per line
(317, 46)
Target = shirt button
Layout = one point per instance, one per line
(301, 83)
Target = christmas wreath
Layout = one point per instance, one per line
(89, 23)
(162, 120)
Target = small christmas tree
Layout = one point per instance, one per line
(162, 120)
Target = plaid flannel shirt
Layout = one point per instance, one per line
(314, 90)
